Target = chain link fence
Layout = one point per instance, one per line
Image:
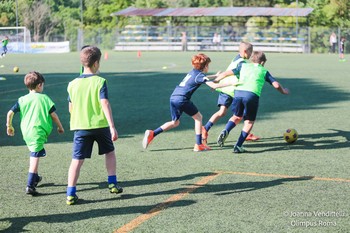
(313, 39)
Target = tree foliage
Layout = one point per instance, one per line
(47, 18)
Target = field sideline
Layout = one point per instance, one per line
(276, 187)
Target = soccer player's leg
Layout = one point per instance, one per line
(237, 109)
(190, 109)
(251, 105)
(33, 177)
(82, 149)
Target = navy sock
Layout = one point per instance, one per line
(112, 179)
(241, 138)
(198, 139)
(31, 179)
(208, 125)
(157, 131)
(230, 125)
(71, 191)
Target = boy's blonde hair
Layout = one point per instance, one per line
(89, 55)
(258, 57)
(200, 61)
(33, 79)
(245, 47)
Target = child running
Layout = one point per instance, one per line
(180, 101)
(37, 111)
(227, 93)
(252, 77)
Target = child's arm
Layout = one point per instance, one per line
(209, 77)
(108, 113)
(223, 75)
(280, 88)
(57, 121)
(9, 128)
(215, 85)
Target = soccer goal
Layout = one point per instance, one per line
(19, 39)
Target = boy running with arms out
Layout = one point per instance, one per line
(91, 119)
(180, 101)
(226, 94)
(252, 77)
(37, 111)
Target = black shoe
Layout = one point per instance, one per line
(113, 188)
(238, 149)
(31, 191)
(222, 137)
(72, 200)
(38, 181)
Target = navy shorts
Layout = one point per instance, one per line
(38, 154)
(246, 107)
(84, 140)
(178, 106)
(224, 100)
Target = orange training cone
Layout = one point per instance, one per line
(106, 56)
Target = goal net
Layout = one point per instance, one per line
(19, 39)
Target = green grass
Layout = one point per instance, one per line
(261, 191)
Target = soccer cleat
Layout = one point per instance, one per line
(38, 181)
(239, 149)
(31, 191)
(113, 188)
(222, 137)
(201, 147)
(204, 135)
(252, 137)
(71, 200)
(147, 139)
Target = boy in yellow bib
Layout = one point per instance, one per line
(91, 119)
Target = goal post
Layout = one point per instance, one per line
(19, 39)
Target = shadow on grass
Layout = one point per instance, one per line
(321, 141)
(241, 187)
(124, 184)
(17, 224)
(218, 189)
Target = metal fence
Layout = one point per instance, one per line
(313, 39)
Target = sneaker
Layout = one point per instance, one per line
(201, 147)
(31, 191)
(113, 188)
(38, 181)
(239, 149)
(204, 135)
(147, 139)
(71, 200)
(222, 137)
(252, 137)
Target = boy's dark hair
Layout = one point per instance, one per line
(33, 79)
(258, 57)
(89, 55)
(200, 61)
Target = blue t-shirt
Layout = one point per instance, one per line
(189, 84)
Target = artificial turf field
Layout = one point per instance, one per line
(276, 187)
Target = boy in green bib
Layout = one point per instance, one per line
(92, 121)
(252, 77)
(37, 111)
(226, 94)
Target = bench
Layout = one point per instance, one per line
(282, 47)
